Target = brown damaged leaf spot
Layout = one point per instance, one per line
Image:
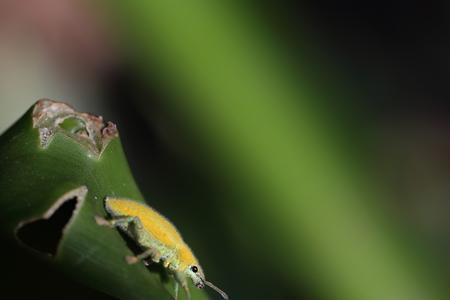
(51, 117)
(43, 234)
(109, 132)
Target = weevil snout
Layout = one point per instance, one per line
(198, 278)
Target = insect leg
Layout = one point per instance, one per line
(102, 221)
(142, 238)
(117, 221)
(153, 253)
(177, 288)
(186, 289)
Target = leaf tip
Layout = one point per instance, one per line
(87, 129)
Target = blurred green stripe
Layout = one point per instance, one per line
(309, 206)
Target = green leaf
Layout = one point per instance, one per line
(54, 158)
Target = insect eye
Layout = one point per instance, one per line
(194, 269)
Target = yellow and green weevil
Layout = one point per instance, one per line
(160, 240)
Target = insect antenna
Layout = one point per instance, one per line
(222, 293)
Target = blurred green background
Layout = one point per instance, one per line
(301, 148)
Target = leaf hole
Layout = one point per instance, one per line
(44, 234)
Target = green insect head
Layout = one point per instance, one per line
(197, 276)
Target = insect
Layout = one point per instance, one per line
(159, 239)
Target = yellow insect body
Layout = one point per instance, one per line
(160, 240)
(155, 224)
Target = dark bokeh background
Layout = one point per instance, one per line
(392, 56)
